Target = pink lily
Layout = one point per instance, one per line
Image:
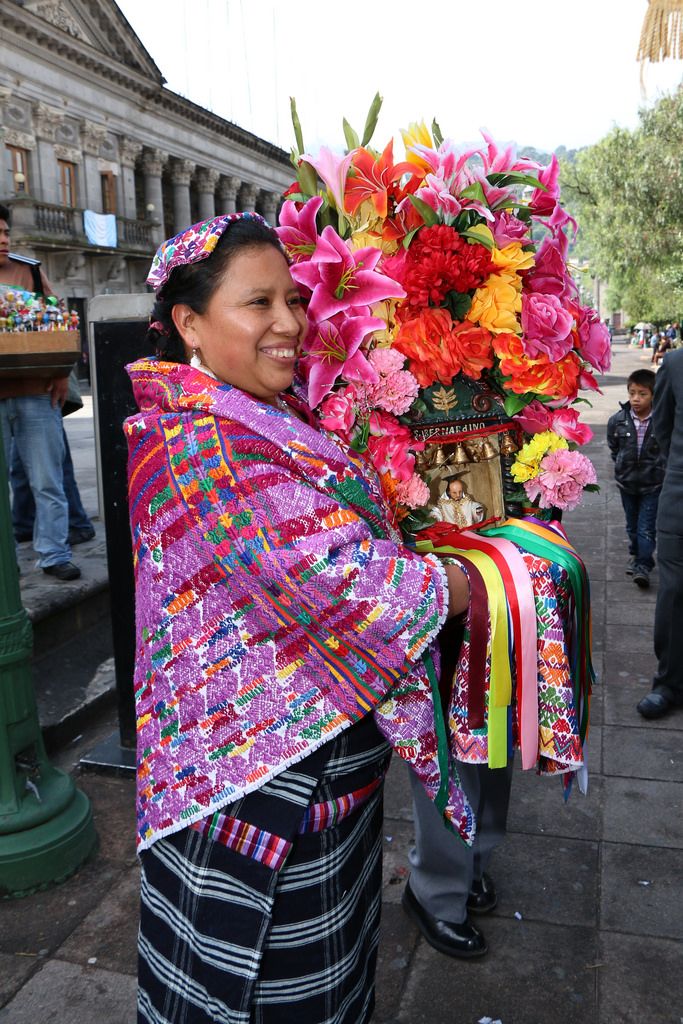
(298, 231)
(332, 170)
(333, 350)
(339, 278)
(544, 201)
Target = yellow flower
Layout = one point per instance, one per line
(366, 230)
(513, 258)
(495, 305)
(386, 311)
(417, 134)
(528, 462)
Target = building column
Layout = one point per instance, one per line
(181, 173)
(92, 137)
(207, 179)
(247, 197)
(153, 161)
(129, 151)
(46, 121)
(228, 187)
(267, 206)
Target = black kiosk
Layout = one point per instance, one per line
(117, 326)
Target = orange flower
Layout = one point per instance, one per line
(427, 343)
(473, 347)
(556, 380)
(438, 348)
(372, 177)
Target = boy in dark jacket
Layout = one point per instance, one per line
(638, 470)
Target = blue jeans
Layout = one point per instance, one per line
(23, 505)
(36, 429)
(641, 516)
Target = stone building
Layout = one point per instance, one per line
(87, 125)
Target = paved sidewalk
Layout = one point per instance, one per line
(589, 924)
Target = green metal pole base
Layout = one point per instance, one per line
(37, 857)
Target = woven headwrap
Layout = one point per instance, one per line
(191, 245)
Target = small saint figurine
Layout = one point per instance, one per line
(456, 506)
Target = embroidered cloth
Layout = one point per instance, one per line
(275, 605)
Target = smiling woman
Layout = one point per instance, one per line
(284, 635)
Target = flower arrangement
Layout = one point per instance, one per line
(450, 262)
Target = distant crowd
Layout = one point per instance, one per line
(658, 340)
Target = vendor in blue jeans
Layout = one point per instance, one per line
(639, 472)
(31, 419)
(81, 528)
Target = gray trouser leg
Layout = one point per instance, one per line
(442, 866)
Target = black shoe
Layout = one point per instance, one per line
(23, 538)
(459, 940)
(641, 577)
(81, 535)
(655, 705)
(482, 896)
(64, 571)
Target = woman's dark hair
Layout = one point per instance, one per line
(5, 214)
(193, 284)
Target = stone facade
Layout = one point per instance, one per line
(86, 124)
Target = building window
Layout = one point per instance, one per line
(108, 182)
(67, 183)
(18, 169)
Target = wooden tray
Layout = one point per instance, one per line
(38, 353)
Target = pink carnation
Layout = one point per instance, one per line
(386, 360)
(537, 417)
(396, 389)
(561, 480)
(414, 492)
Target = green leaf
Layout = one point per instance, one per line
(429, 216)
(595, 488)
(474, 191)
(350, 136)
(360, 441)
(514, 178)
(515, 403)
(459, 303)
(371, 119)
(437, 134)
(308, 179)
(297, 124)
(410, 236)
(481, 234)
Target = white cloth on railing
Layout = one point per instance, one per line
(100, 228)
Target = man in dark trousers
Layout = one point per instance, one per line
(448, 880)
(667, 419)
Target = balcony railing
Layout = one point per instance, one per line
(35, 221)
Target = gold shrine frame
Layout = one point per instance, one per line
(475, 461)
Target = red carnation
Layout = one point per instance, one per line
(440, 261)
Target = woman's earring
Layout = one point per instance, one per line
(195, 361)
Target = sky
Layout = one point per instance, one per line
(545, 74)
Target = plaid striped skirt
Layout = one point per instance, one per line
(282, 924)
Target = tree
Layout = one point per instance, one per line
(627, 193)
